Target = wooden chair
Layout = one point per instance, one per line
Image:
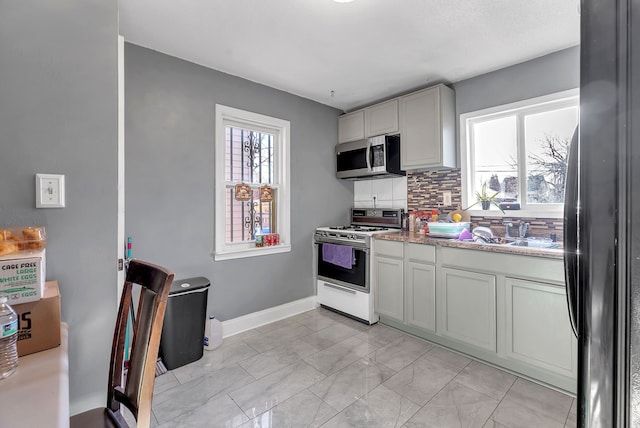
(137, 391)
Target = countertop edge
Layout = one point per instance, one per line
(416, 238)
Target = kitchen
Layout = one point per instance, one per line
(61, 88)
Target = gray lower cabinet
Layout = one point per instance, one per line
(388, 279)
(538, 332)
(467, 307)
(389, 289)
(508, 310)
(420, 295)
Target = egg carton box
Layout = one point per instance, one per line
(22, 276)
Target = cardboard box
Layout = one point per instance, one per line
(39, 322)
(22, 276)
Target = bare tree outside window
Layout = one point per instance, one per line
(548, 170)
(520, 150)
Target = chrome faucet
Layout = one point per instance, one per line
(506, 229)
(522, 229)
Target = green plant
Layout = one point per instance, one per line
(483, 196)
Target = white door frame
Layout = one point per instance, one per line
(121, 229)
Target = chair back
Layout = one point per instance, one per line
(137, 391)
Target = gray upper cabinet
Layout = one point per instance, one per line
(351, 126)
(425, 120)
(427, 129)
(381, 119)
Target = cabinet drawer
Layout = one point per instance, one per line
(389, 248)
(421, 253)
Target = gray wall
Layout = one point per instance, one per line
(58, 114)
(551, 73)
(170, 179)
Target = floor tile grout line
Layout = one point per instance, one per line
(566, 421)
(441, 389)
(543, 386)
(238, 406)
(500, 401)
(373, 341)
(322, 399)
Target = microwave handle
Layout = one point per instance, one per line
(369, 155)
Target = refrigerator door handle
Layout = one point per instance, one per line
(571, 230)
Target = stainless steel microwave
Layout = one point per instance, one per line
(376, 157)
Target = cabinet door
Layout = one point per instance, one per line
(381, 118)
(537, 328)
(389, 283)
(427, 128)
(420, 299)
(351, 126)
(467, 307)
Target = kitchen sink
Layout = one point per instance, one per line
(531, 242)
(520, 242)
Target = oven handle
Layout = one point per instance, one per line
(346, 290)
(361, 247)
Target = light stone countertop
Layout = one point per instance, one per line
(37, 393)
(416, 238)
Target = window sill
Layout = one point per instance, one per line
(517, 213)
(251, 252)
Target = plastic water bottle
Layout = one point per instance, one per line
(259, 237)
(212, 334)
(8, 339)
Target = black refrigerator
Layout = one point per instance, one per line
(602, 216)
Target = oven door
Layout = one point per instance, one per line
(355, 278)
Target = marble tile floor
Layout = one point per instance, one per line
(321, 369)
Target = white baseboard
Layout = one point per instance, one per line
(256, 319)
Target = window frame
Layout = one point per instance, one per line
(540, 104)
(281, 180)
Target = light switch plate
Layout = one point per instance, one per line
(50, 191)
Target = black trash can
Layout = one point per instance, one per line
(182, 340)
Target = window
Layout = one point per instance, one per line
(252, 188)
(519, 152)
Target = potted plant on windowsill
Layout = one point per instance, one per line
(485, 199)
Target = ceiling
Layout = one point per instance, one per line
(348, 55)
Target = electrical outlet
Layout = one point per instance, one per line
(446, 199)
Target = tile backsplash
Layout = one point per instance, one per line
(424, 189)
(424, 192)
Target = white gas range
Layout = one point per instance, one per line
(343, 261)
